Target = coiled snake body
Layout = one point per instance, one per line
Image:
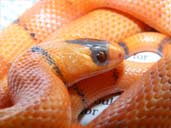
(41, 85)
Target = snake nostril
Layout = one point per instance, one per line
(120, 56)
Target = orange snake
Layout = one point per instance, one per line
(36, 94)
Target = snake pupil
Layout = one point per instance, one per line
(101, 56)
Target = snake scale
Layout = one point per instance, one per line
(60, 56)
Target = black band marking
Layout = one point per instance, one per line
(162, 44)
(80, 93)
(116, 74)
(95, 46)
(49, 59)
(169, 81)
(32, 34)
(125, 47)
(87, 42)
(17, 22)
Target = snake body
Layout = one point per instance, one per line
(36, 94)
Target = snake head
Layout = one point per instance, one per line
(82, 58)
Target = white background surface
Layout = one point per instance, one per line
(10, 10)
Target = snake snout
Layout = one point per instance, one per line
(116, 54)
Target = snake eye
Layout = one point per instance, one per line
(101, 56)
